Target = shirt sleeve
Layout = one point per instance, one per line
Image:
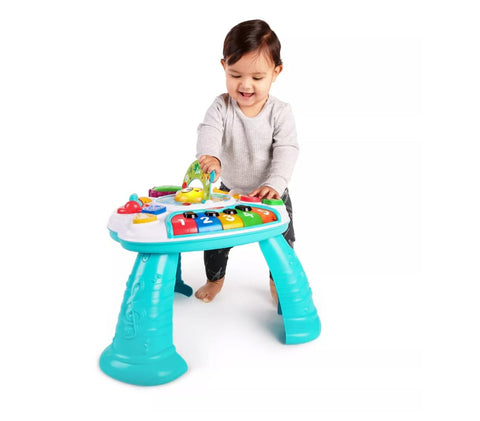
(285, 150)
(210, 131)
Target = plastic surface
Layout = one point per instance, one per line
(180, 286)
(159, 230)
(171, 225)
(142, 351)
(300, 316)
(160, 191)
(194, 172)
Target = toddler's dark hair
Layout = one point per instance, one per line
(249, 36)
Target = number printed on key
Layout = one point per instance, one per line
(230, 221)
(182, 225)
(208, 223)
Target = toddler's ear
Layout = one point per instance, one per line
(277, 71)
(223, 63)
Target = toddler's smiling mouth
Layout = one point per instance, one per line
(246, 94)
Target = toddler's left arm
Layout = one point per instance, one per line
(284, 152)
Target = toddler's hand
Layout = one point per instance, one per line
(265, 192)
(208, 164)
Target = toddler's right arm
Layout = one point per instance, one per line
(210, 133)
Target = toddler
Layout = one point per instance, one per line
(248, 137)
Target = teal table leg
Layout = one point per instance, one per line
(142, 350)
(180, 286)
(300, 316)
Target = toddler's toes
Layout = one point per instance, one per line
(208, 292)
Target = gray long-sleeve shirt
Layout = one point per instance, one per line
(253, 151)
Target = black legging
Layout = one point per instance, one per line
(216, 260)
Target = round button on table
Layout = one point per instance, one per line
(211, 213)
(230, 211)
(244, 208)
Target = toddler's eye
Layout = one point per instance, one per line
(257, 78)
(235, 76)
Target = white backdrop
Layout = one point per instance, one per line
(101, 99)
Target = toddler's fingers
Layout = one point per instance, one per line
(254, 192)
(205, 165)
(272, 194)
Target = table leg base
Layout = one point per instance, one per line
(146, 371)
(303, 329)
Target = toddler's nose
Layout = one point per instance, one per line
(246, 84)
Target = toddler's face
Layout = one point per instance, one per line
(249, 81)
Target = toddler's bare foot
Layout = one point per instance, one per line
(208, 292)
(273, 291)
